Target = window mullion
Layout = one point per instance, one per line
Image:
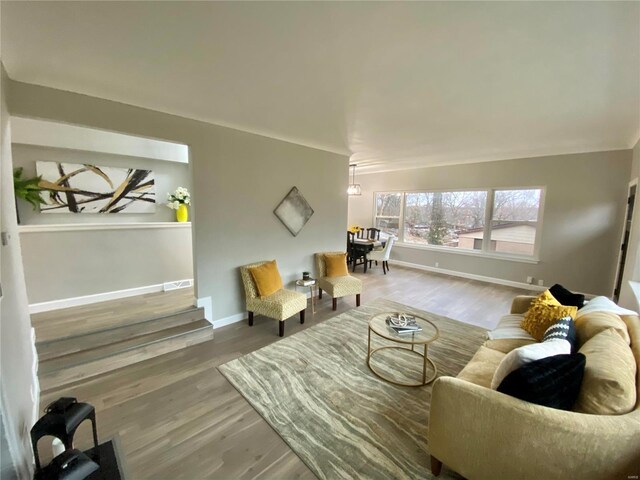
(488, 215)
(401, 219)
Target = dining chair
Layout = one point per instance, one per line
(356, 253)
(382, 255)
(279, 305)
(350, 238)
(361, 233)
(373, 233)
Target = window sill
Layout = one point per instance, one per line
(471, 253)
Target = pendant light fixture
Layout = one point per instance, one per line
(354, 188)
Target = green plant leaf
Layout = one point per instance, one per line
(27, 189)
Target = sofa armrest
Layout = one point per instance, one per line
(483, 434)
(521, 303)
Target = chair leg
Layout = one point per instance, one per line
(357, 299)
(384, 268)
(281, 328)
(335, 303)
(302, 315)
(319, 294)
(376, 262)
(251, 319)
(387, 262)
(436, 466)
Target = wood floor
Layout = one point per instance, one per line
(177, 417)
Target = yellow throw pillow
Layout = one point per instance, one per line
(267, 278)
(544, 312)
(336, 265)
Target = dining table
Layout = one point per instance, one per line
(362, 246)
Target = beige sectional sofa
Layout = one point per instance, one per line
(484, 434)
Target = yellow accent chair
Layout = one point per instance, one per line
(279, 305)
(336, 286)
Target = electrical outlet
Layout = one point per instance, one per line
(529, 280)
(541, 283)
(437, 264)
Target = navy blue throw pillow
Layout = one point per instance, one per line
(565, 297)
(552, 381)
(563, 329)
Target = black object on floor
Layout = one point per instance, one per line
(71, 464)
(111, 466)
(103, 463)
(61, 420)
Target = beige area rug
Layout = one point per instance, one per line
(316, 390)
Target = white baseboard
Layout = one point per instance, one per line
(471, 276)
(168, 286)
(223, 322)
(98, 297)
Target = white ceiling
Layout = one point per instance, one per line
(395, 85)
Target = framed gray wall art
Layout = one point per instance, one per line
(82, 188)
(294, 211)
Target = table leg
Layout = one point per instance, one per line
(424, 366)
(313, 299)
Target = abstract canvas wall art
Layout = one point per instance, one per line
(77, 188)
(294, 211)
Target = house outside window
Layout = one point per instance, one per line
(497, 221)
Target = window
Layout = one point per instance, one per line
(491, 220)
(514, 221)
(387, 216)
(450, 219)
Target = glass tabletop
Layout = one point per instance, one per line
(428, 333)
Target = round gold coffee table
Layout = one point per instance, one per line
(407, 342)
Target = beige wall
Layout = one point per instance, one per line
(632, 264)
(16, 348)
(68, 264)
(583, 215)
(238, 179)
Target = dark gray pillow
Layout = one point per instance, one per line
(566, 297)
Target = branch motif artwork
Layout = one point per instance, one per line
(78, 188)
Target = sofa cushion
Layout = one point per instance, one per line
(609, 385)
(566, 297)
(505, 345)
(510, 327)
(552, 381)
(563, 329)
(481, 367)
(591, 324)
(544, 312)
(527, 354)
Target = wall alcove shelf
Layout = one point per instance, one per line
(70, 227)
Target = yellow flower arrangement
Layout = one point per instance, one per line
(355, 229)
